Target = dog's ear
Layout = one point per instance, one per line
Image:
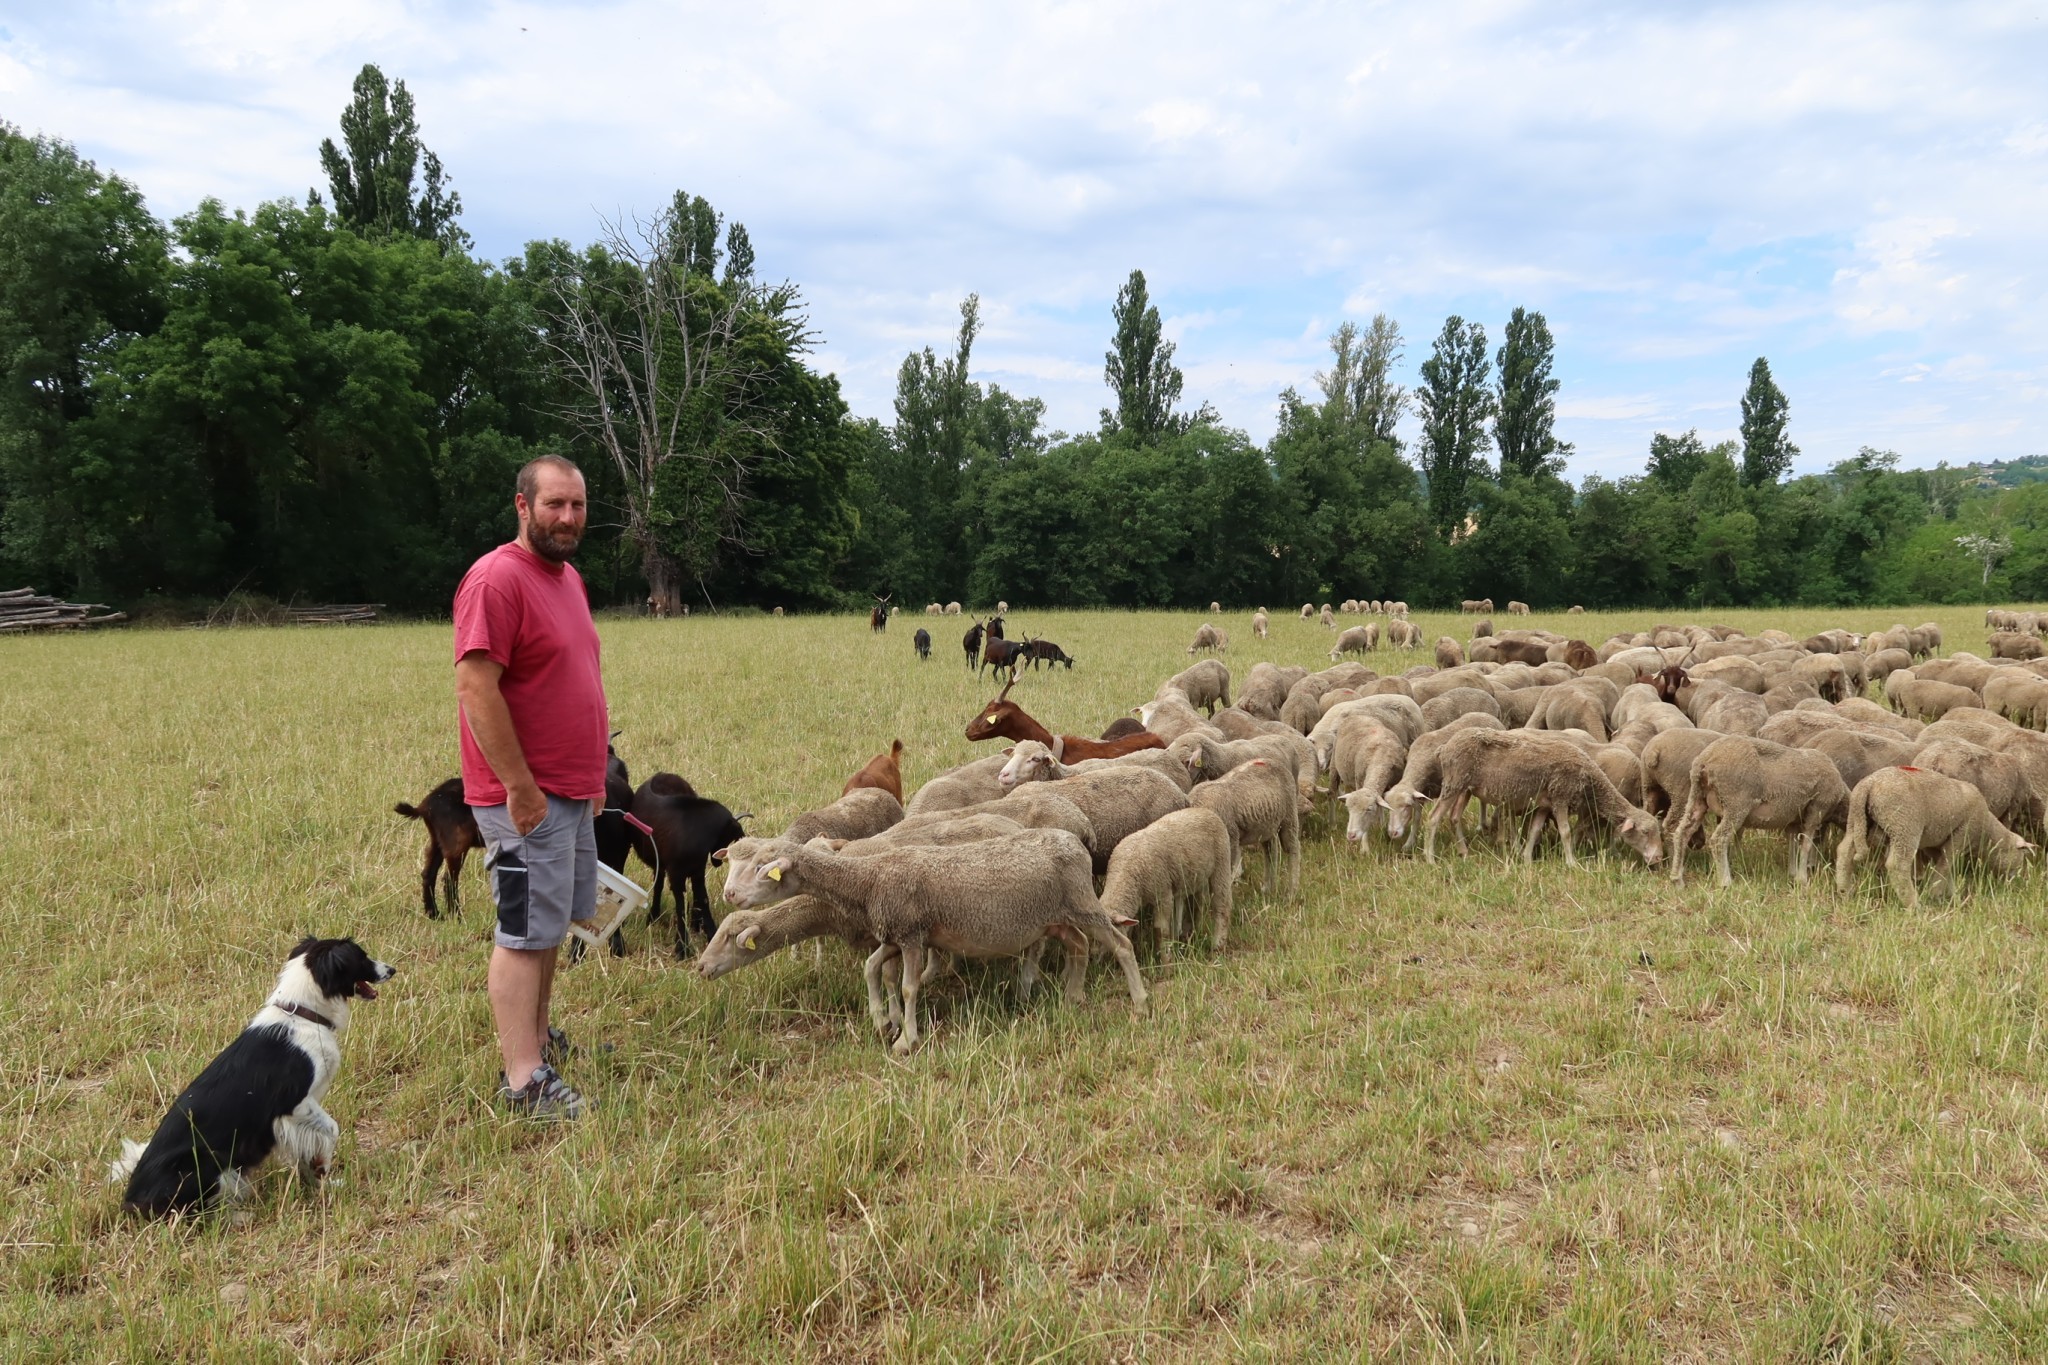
(304, 946)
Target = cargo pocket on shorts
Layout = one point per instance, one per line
(507, 867)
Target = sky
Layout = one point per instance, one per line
(1856, 191)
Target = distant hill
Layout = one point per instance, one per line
(2008, 473)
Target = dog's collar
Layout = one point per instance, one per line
(302, 1012)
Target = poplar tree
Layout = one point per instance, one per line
(1454, 403)
(1766, 453)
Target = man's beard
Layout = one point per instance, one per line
(557, 546)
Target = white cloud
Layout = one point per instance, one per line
(1854, 192)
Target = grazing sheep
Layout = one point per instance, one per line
(1422, 776)
(776, 613)
(1755, 784)
(1399, 714)
(1356, 640)
(1515, 770)
(1203, 758)
(1235, 723)
(884, 772)
(1575, 610)
(1205, 684)
(1667, 772)
(967, 785)
(1215, 608)
(1180, 859)
(1210, 638)
(451, 833)
(952, 608)
(1926, 698)
(1446, 707)
(855, 815)
(1328, 617)
(1482, 629)
(996, 898)
(932, 831)
(1449, 653)
(1117, 800)
(1518, 608)
(1857, 753)
(1868, 712)
(1170, 716)
(1403, 634)
(1260, 805)
(1365, 756)
(1308, 611)
(1264, 691)
(2015, 645)
(1154, 760)
(1999, 776)
(934, 609)
(2021, 697)
(1039, 807)
(1397, 608)
(1260, 623)
(1922, 813)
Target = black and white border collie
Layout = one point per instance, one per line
(261, 1096)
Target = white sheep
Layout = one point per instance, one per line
(1211, 638)
(1515, 770)
(1215, 608)
(966, 785)
(1356, 640)
(1422, 775)
(1260, 805)
(1260, 623)
(997, 898)
(1118, 800)
(952, 608)
(1921, 812)
(1205, 684)
(1329, 618)
(1755, 784)
(856, 815)
(1180, 859)
(1402, 634)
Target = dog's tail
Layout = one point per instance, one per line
(410, 812)
(131, 1154)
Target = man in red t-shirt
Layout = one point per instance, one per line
(533, 724)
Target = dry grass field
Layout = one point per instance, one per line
(1472, 1111)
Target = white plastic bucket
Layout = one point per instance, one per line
(618, 896)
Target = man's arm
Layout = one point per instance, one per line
(490, 722)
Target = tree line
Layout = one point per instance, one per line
(326, 400)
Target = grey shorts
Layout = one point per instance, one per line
(543, 879)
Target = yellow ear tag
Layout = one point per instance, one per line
(751, 945)
(774, 874)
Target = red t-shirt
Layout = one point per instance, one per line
(534, 619)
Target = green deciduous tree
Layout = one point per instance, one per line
(1767, 454)
(1359, 389)
(1454, 403)
(1525, 404)
(1140, 368)
(371, 174)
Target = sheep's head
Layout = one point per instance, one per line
(1364, 813)
(1640, 831)
(736, 944)
(1399, 804)
(1030, 761)
(761, 872)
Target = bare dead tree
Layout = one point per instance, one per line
(649, 341)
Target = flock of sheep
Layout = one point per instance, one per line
(1652, 742)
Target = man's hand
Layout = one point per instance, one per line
(528, 806)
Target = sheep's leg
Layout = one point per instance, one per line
(1802, 843)
(1724, 836)
(1536, 821)
(880, 1010)
(1219, 907)
(427, 878)
(1074, 964)
(1563, 815)
(1681, 836)
(1290, 845)
(1027, 972)
(913, 963)
(1269, 853)
(1901, 865)
(1113, 938)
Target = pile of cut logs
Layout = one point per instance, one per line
(24, 609)
(332, 613)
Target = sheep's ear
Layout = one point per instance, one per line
(719, 855)
(1384, 803)
(1011, 750)
(773, 872)
(2026, 847)
(1059, 748)
(1628, 824)
(1123, 921)
(748, 935)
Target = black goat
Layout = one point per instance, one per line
(995, 627)
(923, 643)
(971, 642)
(1045, 651)
(451, 834)
(687, 829)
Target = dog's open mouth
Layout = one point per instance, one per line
(366, 990)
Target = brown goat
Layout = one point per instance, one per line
(883, 770)
(1004, 719)
(451, 834)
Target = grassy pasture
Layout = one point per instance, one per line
(1468, 1111)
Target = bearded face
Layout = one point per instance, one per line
(553, 520)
